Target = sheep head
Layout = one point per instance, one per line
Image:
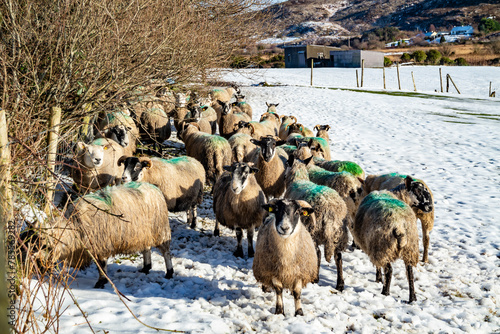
(267, 146)
(134, 168)
(240, 173)
(420, 196)
(286, 215)
(119, 133)
(91, 156)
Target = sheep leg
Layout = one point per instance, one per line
(296, 297)
(250, 232)
(239, 248)
(411, 280)
(378, 275)
(340, 274)
(318, 254)
(216, 229)
(386, 291)
(426, 237)
(103, 264)
(192, 217)
(165, 251)
(279, 297)
(146, 256)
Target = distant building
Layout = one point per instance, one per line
(464, 31)
(297, 56)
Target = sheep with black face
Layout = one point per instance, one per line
(237, 203)
(285, 255)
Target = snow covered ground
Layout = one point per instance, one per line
(451, 141)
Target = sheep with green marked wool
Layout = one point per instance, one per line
(214, 152)
(389, 181)
(286, 121)
(123, 219)
(340, 166)
(111, 125)
(322, 131)
(385, 229)
(242, 105)
(181, 180)
(329, 208)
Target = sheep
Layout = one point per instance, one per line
(261, 129)
(95, 164)
(155, 123)
(120, 118)
(385, 228)
(271, 162)
(322, 131)
(340, 166)
(349, 187)
(229, 119)
(272, 121)
(301, 129)
(180, 111)
(389, 181)
(181, 180)
(222, 94)
(330, 211)
(110, 222)
(285, 123)
(242, 105)
(271, 107)
(285, 256)
(241, 147)
(212, 151)
(206, 113)
(237, 203)
(121, 135)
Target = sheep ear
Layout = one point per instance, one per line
(234, 104)
(277, 104)
(146, 163)
(316, 127)
(408, 182)
(81, 146)
(327, 127)
(267, 104)
(308, 160)
(268, 207)
(255, 141)
(253, 170)
(361, 180)
(280, 142)
(290, 160)
(121, 160)
(227, 168)
(204, 108)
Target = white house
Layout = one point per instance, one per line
(463, 31)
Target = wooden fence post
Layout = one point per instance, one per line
(357, 80)
(362, 71)
(53, 138)
(413, 78)
(6, 219)
(449, 76)
(383, 71)
(447, 83)
(441, 79)
(312, 67)
(489, 94)
(399, 80)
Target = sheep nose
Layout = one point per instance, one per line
(97, 160)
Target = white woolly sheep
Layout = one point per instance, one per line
(181, 180)
(110, 222)
(285, 256)
(155, 124)
(389, 181)
(212, 151)
(237, 203)
(95, 164)
(286, 121)
(330, 211)
(385, 229)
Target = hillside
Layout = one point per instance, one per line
(341, 18)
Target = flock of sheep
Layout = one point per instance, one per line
(275, 175)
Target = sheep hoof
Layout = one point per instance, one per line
(340, 286)
(251, 253)
(216, 233)
(266, 288)
(100, 283)
(193, 224)
(238, 252)
(146, 269)
(385, 292)
(170, 273)
(279, 310)
(413, 298)
(299, 312)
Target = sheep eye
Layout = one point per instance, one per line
(360, 190)
(352, 194)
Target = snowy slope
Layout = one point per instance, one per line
(450, 141)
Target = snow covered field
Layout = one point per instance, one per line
(451, 141)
